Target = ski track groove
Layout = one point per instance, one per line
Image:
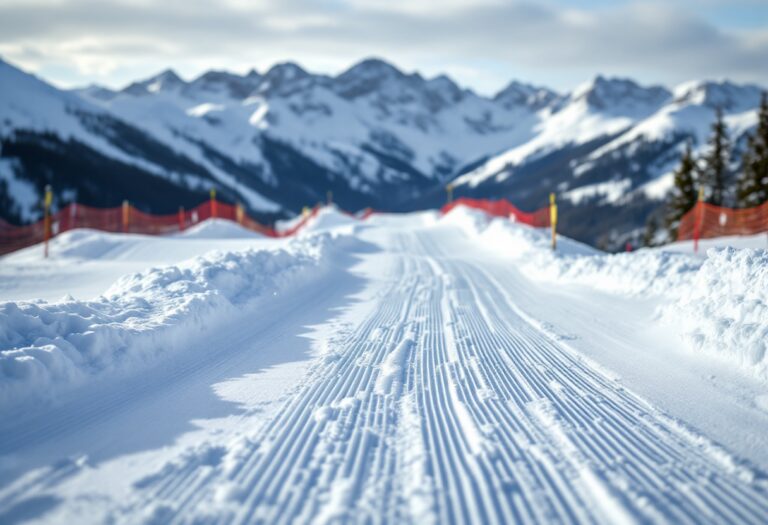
(513, 426)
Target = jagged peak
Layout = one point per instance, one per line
(286, 71)
(443, 81)
(603, 92)
(166, 80)
(523, 94)
(722, 94)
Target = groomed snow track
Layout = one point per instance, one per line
(448, 404)
(438, 399)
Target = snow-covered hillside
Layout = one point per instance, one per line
(409, 368)
(373, 135)
(609, 150)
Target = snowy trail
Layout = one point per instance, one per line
(438, 399)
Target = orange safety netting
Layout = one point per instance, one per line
(127, 219)
(503, 208)
(706, 221)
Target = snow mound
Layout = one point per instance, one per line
(574, 263)
(724, 310)
(329, 218)
(47, 348)
(218, 229)
(82, 243)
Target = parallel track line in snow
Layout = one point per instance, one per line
(448, 403)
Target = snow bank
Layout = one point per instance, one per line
(218, 229)
(724, 309)
(329, 218)
(718, 305)
(82, 243)
(46, 348)
(640, 272)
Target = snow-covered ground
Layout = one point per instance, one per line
(409, 368)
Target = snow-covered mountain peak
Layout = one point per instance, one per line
(165, 81)
(366, 77)
(443, 86)
(518, 94)
(285, 78)
(722, 94)
(224, 83)
(619, 94)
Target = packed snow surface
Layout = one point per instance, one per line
(403, 369)
(718, 304)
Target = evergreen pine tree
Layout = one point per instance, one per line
(715, 168)
(753, 183)
(683, 196)
(651, 231)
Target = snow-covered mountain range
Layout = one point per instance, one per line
(373, 135)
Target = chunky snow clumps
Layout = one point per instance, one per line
(49, 347)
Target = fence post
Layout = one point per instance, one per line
(48, 200)
(553, 219)
(126, 216)
(213, 203)
(329, 197)
(449, 192)
(698, 219)
(239, 213)
(181, 218)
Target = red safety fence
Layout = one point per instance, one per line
(706, 221)
(503, 208)
(127, 219)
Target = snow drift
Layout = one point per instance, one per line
(48, 347)
(718, 305)
(573, 263)
(724, 308)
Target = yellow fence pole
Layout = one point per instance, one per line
(449, 192)
(553, 219)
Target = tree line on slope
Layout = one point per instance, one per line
(711, 174)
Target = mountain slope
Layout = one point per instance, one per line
(609, 149)
(372, 135)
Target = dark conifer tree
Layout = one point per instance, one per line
(752, 188)
(715, 170)
(683, 196)
(651, 231)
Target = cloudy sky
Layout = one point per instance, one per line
(481, 43)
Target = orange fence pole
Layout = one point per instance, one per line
(239, 213)
(48, 200)
(126, 216)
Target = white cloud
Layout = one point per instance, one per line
(482, 41)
